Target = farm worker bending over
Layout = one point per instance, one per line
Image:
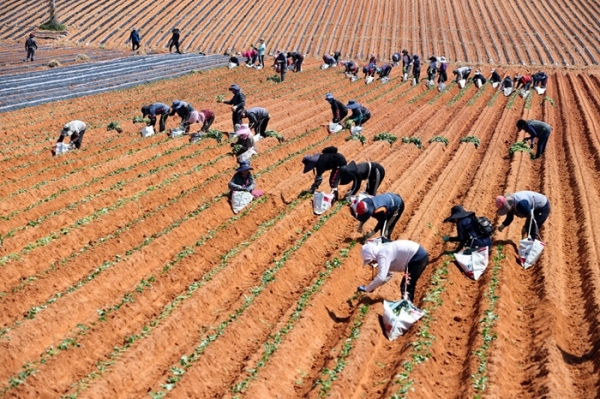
(134, 37)
(261, 53)
(174, 41)
(297, 59)
(258, 119)
(152, 110)
(351, 67)
(244, 142)
(205, 116)
(329, 159)
(402, 256)
(359, 113)
(354, 173)
(250, 55)
(336, 56)
(406, 60)
(467, 227)
(75, 130)
(462, 73)
(536, 129)
(385, 208)
(479, 75)
(30, 47)
(184, 111)
(495, 77)
(237, 102)
(432, 69)
(507, 83)
(416, 69)
(540, 79)
(524, 204)
(338, 109)
(384, 71)
(523, 81)
(329, 60)
(242, 180)
(280, 64)
(396, 57)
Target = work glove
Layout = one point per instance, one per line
(445, 238)
(501, 227)
(361, 288)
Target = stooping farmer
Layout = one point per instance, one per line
(385, 208)
(479, 76)
(462, 73)
(281, 64)
(401, 256)
(396, 57)
(75, 131)
(468, 232)
(351, 68)
(245, 141)
(536, 129)
(359, 113)
(355, 173)
(297, 60)
(329, 60)
(384, 71)
(205, 116)
(495, 78)
(152, 110)
(524, 204)
(258, 119)
(329, 159)
(338, 109)
(184, 111)
(540, 79)
(523, 81)
(237, 102)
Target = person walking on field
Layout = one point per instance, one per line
(30, 47)
(184, 111)
(134, 37)
(533, 206)
(152, 110)
(338, 109)
(297, 59)
(175, 34)
(385, 208)
(402, 256)
(329, 159)
(354, 173)
(258, 119)
(238, 103)
(536, 129)
(468, 231)
(359, 113)
(75, 131)
(416, 69)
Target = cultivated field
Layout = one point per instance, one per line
(537, 32)
(125, 272)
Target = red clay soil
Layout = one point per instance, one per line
(536, 33)
(123, 271)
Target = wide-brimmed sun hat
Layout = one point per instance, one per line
(457, 212)
(310, 161)
(244, 166)
(352, 104)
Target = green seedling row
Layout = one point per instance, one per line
(477, 95)
(272, 344)
(440, 94)
(423, 94)
(494, 98)
(460, 94)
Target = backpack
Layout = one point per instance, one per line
(484, 226)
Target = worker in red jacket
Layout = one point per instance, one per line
(524, 81)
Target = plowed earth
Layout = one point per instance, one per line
(124, 273)
(538, 32)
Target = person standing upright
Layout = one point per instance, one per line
(416, 69)
(281, 64)
(134, 37)
(238, 103)
(261, 53)
(30, 46)
(174, 40)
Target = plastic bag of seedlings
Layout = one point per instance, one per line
(356, 130)
(462, 83)
(540, 90)
(398, 317)
(473, 261)
(334, 127)
(322, 202)
(240, 199)
(176, 132)
(62, 148)
(147, 131)
(508, 91)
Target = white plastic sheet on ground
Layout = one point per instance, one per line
(356, 130)
(334, 127)
(147, 131)
(442, 86)
(240, 199)
(530, 251)
(398, 317)
(354, 78)
(475, 263)
(62, 148)
(540, 90)
(508, 91)
(462, 83)
(524, 93)
(322, 202)
(232, 65)
(245, 156)
(324, 66)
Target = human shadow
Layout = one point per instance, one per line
(570, 358)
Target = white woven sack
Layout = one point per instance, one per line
(245, 156)
(508, 91)
(524, 93)
(240, 199)
(462, 83)
(356, 130)
(369, 79)
(398, 317)
(540, 90)
(324, 66)
(385, 80)
(430, 83)
(354, 78)
(176, 133)
(495, 85)
(478, 83)
(322, 202)
(147, 131)
(335, 127)
(405, 77)
(355, 199)
(530, 251)
(62, 148)
(474, 264)
(232, 65)
(442, 86)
